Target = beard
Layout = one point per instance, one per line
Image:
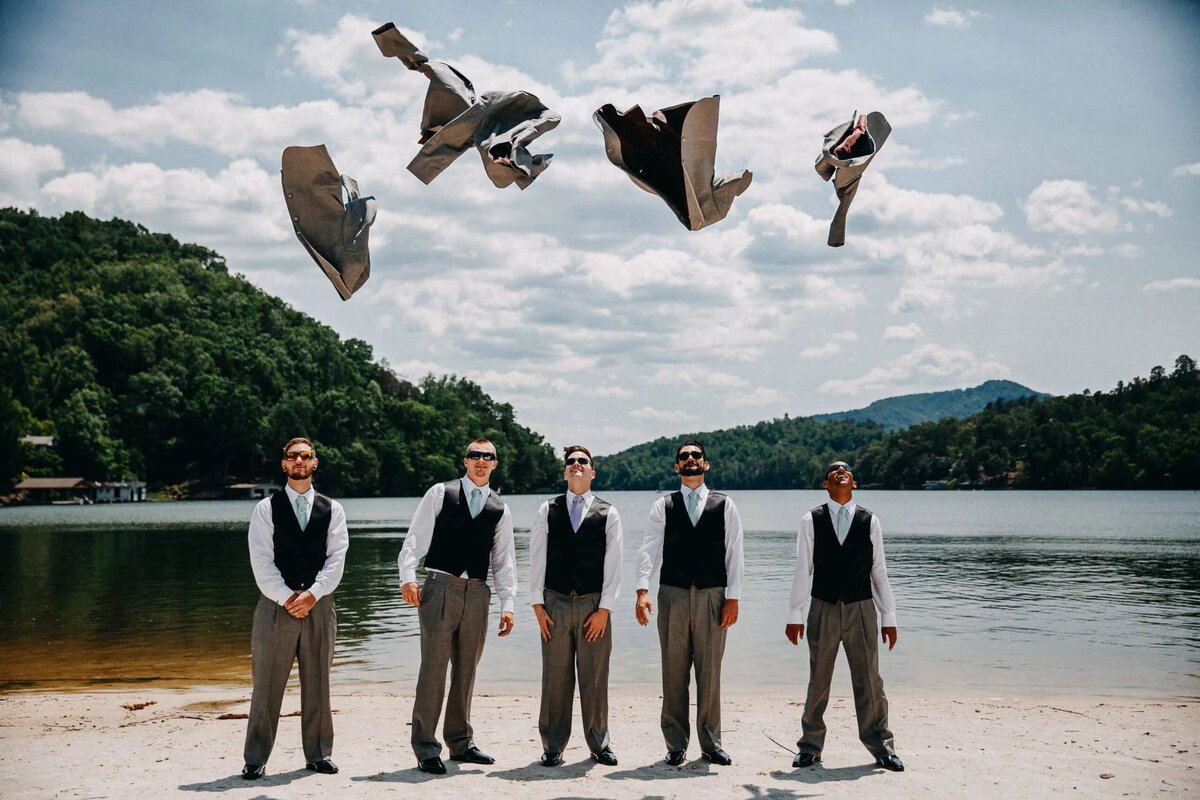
(691, 468)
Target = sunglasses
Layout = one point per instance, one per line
(475, 455)
(581, 460)
(836, 467)
(696, 454)
(302, 455)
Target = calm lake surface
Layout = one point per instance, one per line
(999, 593)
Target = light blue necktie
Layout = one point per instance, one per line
(577, 512)
(692, 507)
(302, 511)
(476, 502)
(843, 524)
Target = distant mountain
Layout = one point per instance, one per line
(904, 411)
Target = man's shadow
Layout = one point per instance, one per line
(536, 772)
(415, 776)
(236, 782)
(659, 771)
(821, 774)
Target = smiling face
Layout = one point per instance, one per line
(480, 460)
(839, 478)
(578, 475)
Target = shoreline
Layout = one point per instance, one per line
(157, 741)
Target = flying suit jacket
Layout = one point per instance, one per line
(671, 153)
(449, 93)
(846, 172)
(334, 233)
(500, 125)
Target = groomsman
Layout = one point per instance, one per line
(459, 527)
(574, 577)
(298, 542)
(697, 534)
(840, 565)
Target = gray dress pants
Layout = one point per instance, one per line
(854, 625)
(567, 651)
(690, 634)
(454, 616)
(277, 639)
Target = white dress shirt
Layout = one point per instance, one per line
(262, 548)
(539, 542)
(420, 537)
(881, 589)
(650, 553)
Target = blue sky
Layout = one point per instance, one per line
(1032, 217)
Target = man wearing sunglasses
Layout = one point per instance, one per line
(459, 528)
(841, 567)
(697, 535)
(574, 577)
(298, 542)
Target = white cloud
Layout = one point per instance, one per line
(22, 167)
(701, 43)
(903, 332)
(950, 17)
(920, 298)
(237, 210)
(930, 364)
(1068, 206)
(952, 118)
(1172, 284)
(1147, 207)
(762, 396)
(651, 414)
(821, 350)
(1187, 169)
(893, 205)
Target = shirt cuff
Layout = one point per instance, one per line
(643, 583)
(797, 617)
(506, 605)
(537, 597)
(887, 621)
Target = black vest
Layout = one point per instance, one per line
(575, 559)
(461, 544)
(299, 554)
(842, 571)
(694, 556)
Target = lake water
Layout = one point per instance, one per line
(999, 593)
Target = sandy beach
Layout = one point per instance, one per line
(149, 743)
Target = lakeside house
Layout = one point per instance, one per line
(252, 491)
(120, 492)
(57, 490)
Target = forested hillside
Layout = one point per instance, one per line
(1141, 435)
(894, 413)
(1144, 434)
(787, 453)
(145, 358)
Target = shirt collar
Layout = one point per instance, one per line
(571, 496)
(293, 494)
(834, 507)
(467, 486)
(701, 492)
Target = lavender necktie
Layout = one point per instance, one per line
(577, 512)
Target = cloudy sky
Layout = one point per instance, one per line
(1032, 217)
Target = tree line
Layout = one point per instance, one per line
(1144, 434)
(145, 358)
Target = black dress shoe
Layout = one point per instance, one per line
(473, 755)
(253, 772)
(890, 761)
(433, 766)
(676, 757)
(606, 757)
(719, 757)
(805, 760)
(551, 759)
(324, 766)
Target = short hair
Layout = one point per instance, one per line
(572, 448)
(481, 441)
(297, 440)
(693, 443)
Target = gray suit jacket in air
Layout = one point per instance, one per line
(499, 124)
(671, 153)
(449, 94)
(334, 233)
(846, 172)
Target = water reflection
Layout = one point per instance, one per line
(998, 593)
